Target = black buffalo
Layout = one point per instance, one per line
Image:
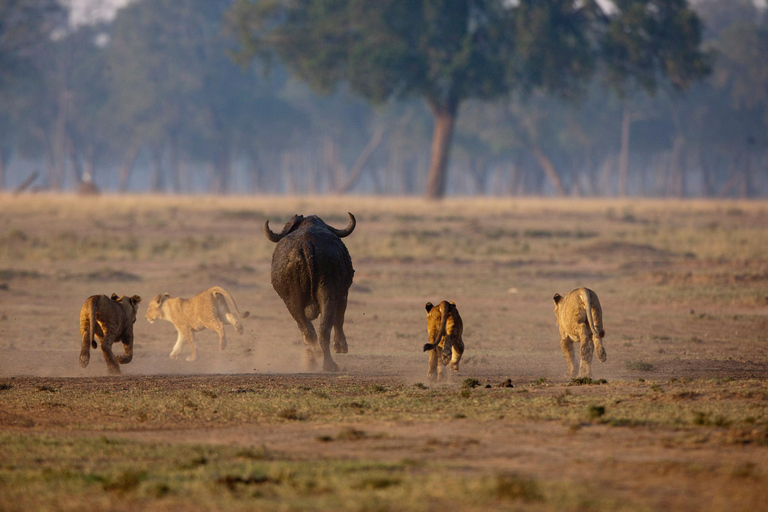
(312, 272)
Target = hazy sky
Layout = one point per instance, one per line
(90, 11)
(84, 12)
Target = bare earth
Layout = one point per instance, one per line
(684, 292)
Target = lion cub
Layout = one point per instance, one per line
(444, 327)
(580, 319)
(206, 310)
(108, 320)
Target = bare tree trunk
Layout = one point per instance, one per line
(478, 170)
(365, 155)
(676, 185)
(550, 171)
(445, 118)
(173, 162)
(89, 163)
(26, 184)
(254, 172)
(626, 124)
(157, 183)
(222, 171)
(3, 163)
(51, 170)
(125, 170)
(514, 172)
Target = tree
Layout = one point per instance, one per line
(25, 26)
(648, 42)
(443, 51)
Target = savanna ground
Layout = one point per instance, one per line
(677, 418)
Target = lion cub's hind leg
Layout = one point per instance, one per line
(219, 328)
(234, 322)
(566, 344)
(128, 348)
(599, 349)
(434, 367)
(109, 357)
(85, 347)
(225, 315)
(587, 350)
(189, 335)
(457, 349)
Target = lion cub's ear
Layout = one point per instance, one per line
(557, 298)
(429, 307)
(114, 296)
(135, 299)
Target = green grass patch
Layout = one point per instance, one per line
(55, 473)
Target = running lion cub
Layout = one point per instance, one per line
(580, 320)
(206, 310)
(444, 327)
(108, 320)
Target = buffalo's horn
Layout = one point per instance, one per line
(341, 233)
(287, 229)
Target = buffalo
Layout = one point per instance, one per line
(312, 272)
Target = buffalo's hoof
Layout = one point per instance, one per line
(84, 361)
(124, 359)
(340, 349)
(330, 366)
(432, 375)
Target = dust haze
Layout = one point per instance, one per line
(666, 274)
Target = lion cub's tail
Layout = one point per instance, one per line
(92, 320)
(224, 293)
(445, 308)
(596, 327)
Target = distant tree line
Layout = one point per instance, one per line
(653, 97)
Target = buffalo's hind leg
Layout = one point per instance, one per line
(308, 335)
(339, 338)
(327, 319)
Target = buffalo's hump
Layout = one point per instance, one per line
(309, 257)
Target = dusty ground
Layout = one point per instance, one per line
(681, 423)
